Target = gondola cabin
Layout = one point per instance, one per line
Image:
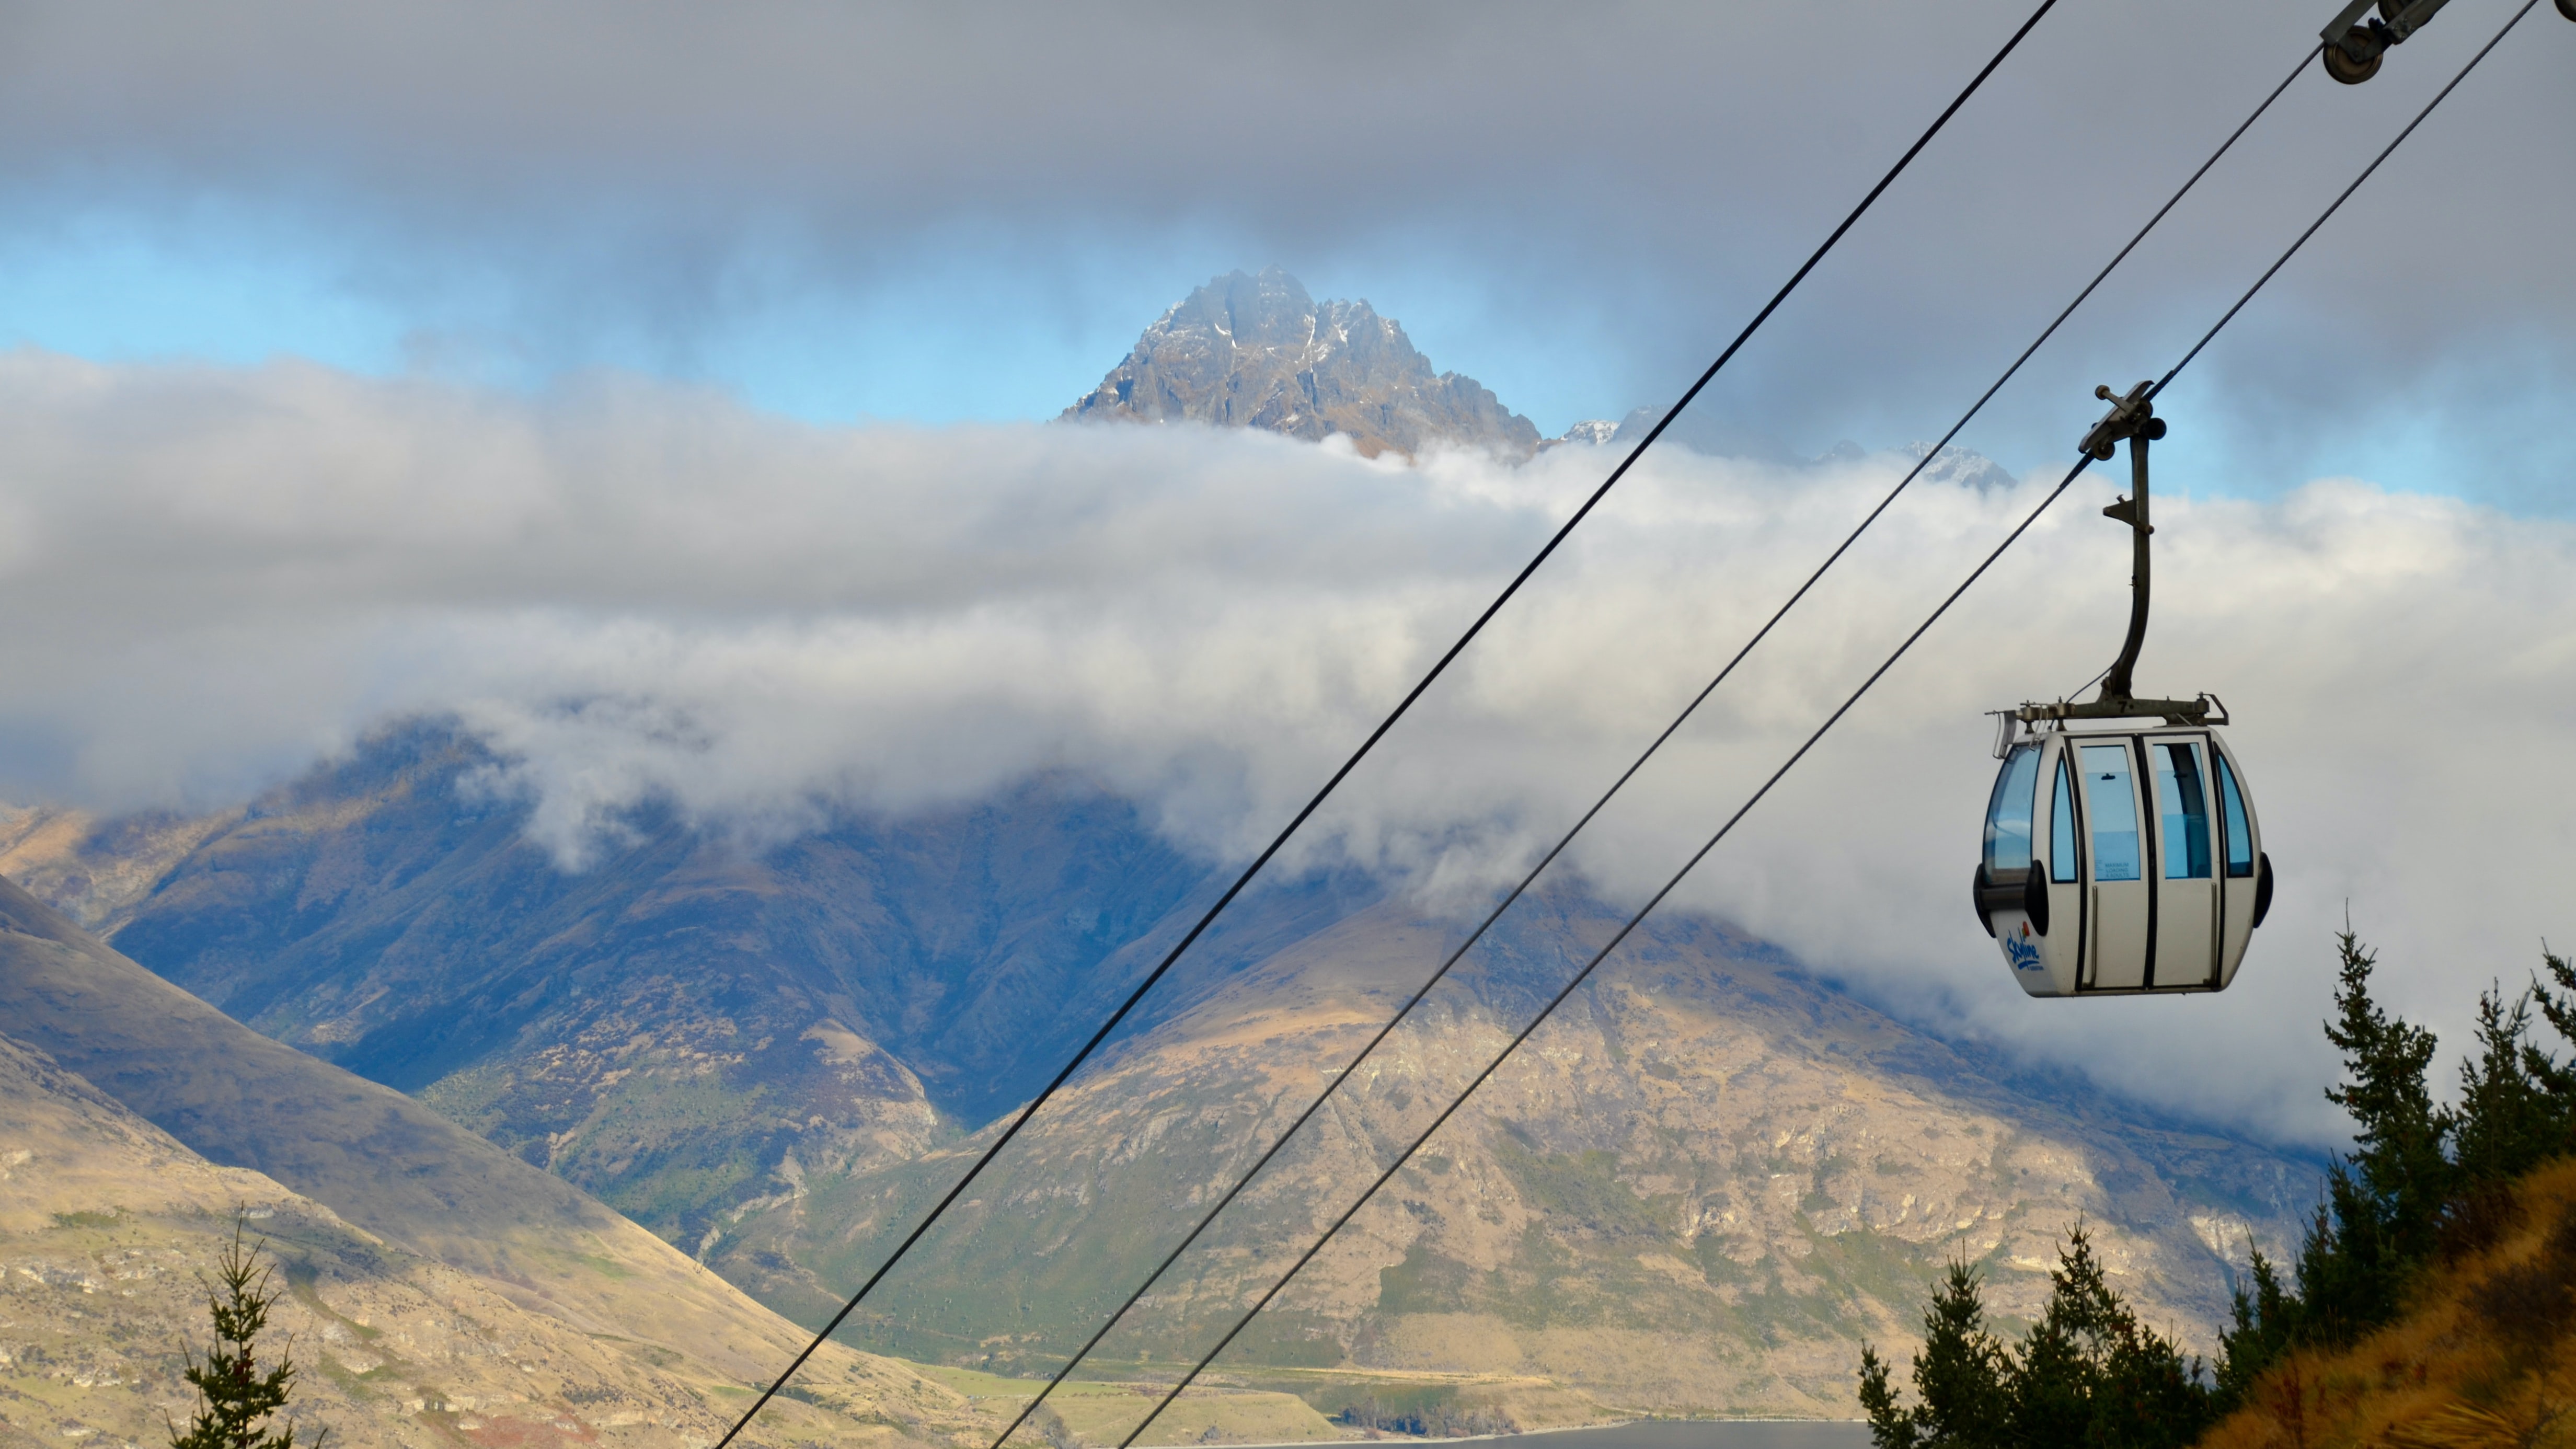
(2120, 862)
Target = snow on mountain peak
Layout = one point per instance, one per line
(1256, 351)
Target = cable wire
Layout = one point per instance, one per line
(1370, 743)
(2337, 204)
(2082, 463)
(1581, 976)
(1333, 1084)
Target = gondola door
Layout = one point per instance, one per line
(2115, 956)
(2185, 937)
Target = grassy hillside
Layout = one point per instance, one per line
(2484, 1355)
(107, 1225)
(364, 1158)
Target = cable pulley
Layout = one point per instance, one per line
(2354, 46)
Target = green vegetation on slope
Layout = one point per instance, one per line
(2086, 1375)
(2423, 1308)
(2481, 1356)
(2424, 1182)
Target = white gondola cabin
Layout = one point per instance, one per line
(2122, 858)
(2122, 862)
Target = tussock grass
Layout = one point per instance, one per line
(2484, 1356)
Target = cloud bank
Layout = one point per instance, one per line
(637, 591)
(969, 210)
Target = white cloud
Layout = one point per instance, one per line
(637, 590)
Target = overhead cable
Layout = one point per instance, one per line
(1795, 756)
(1406, 704)
(1333, 1083)
(2346, 195)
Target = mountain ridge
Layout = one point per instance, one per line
(713, 1112)
(1256, 351)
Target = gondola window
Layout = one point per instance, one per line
(2114, 803)
(2185, 808)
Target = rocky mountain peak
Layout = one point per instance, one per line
(1961, 467)
(1260, 352)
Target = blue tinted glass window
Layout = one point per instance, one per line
(2113, 798)
(2008, 813)
(2240, 837)
(2061, 825)
(2183, 808)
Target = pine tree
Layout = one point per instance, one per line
(2265, 1321)
(2088, 1375)
(2507, 1122)
(2557, 1003)
(2134, 1388)
(2422, 1181)
(2399, 1178)
(233, 1393)
(2385, 1205)
(1958, 1377)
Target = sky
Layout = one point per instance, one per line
(662, 390)
(851, 212)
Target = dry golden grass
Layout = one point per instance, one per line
(2484, 1360)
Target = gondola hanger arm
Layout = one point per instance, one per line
(2132, 419)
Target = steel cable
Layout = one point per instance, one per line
(1517, 891)
(1799, 754)
(1406, 704)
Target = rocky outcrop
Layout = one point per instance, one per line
(1258, 352)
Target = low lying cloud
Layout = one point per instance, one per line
(641, 592)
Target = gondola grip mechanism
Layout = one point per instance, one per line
(2120, 422)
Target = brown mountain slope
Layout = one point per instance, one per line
(667, 1029)
(107, 1223)
(98, 870)
(391, 1168)
(2484, 1357)
(1697, 1189)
